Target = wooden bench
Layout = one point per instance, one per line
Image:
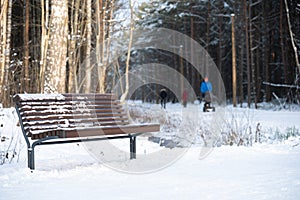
(67, 118)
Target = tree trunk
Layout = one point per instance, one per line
(88, 67)
(292, 36)
(259, 52)
(3, 30)
(104, 16)
(7, 11)
(100, 43)
(44, 42)
(252, 63)
(56, 63)
(258, 74)
(207, 36)
(233, 62)
(72, 51)
(194, 75)
(220, 53)
(247, 54)
(25, 82)
(282, 44)
(35, 34)
(123, 97)
(241, 77)
(240, 38)
(267, 50)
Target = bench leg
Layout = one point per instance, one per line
(31, 158)
(132, 147)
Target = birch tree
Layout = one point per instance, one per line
(72, 47)
(44, 41)
(100, 43)
(3, 19)
(124, 95)
(55, 71)
(104, 16)
(292, 35)
(88, 67)
(6, 11)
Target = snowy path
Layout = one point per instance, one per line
(262, 171)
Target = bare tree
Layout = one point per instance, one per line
(44, 41)
(251, 52)
(72, 50)
(123, 97)
(25, 83)
(282, 42)
(105, 19)
(247, 53)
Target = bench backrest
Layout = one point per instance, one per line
(49, 112)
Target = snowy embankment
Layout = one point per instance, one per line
(266, 170)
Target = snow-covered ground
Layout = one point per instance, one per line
(267, 170)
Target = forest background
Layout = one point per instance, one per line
(44, 43)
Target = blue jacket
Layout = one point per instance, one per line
(206, 87)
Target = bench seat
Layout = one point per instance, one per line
(45, 118)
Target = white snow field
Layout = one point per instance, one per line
(266, 170)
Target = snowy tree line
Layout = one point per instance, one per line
(267, 61)
(44, 43)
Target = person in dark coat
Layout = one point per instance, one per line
(163, 97)
(206, 89)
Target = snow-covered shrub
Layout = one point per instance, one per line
(271, 135)
(10, 137)
(9, 150)
(238, 128)
(144, 113)
(173, 127)
(292, 132)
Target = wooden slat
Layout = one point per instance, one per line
(91, 96)
(103, 131)
(69, 107)
(62, 97)
(62, 112)
(70, 119)
(33, 129)
(29, 104)
(64, 123)
(113, 130)
(99, 116)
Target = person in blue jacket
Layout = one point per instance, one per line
(206, 89)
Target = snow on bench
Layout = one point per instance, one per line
(66, 118)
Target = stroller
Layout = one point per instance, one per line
(207, 101)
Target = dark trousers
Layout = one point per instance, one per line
(163, 103)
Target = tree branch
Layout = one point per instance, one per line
(291, 35)
(282, 85)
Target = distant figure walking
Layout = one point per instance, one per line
(206, 89)
(184, 98)
(163, 97)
